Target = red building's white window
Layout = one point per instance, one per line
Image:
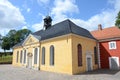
(112, 45)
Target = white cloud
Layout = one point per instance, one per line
(41, 15)
(106, 18)
(28, 9)
(38, 26)
(59, 11)
(10, 16)
(24, 27)
(117, 5)
(4, 31)
(62, 8)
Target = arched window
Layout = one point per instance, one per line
(24, 56)
(17, 57)
(35, 55)
(43, 55)
(79, 47)
(52, 55)
(21, 54)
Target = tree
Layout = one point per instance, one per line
(11, 35)
(117, 22)
(5, 44)
(21, 35)
(0, 39)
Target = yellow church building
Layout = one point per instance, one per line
(62, 48)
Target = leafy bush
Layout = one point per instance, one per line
(6, 59)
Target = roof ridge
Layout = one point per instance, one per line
(69, 25)
(105, 28)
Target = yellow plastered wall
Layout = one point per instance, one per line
(29, 45)
(15, 63)
(62, 55)
(87, 45)
(29, 49)
(65, 47)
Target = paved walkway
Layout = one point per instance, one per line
(8, 72)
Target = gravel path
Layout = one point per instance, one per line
(8, 72)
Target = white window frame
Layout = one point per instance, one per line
(116, 62)
(89, 56)
(25, 56)
(37, 57)
(33, 58)
(21, 56)
(112, 42)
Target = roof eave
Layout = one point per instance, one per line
(109, 39)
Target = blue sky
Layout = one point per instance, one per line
(19, 14)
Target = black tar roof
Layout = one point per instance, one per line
(62, 28)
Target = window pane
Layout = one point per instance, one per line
(112, 45)
(43, 55)
(51, 55)
(79, 47)
(35, 55)
(17, 56)
(21, 57)
(24, 56)
(95, 55)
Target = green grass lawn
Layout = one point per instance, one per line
(6, 59)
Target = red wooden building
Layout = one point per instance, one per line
(108, 46)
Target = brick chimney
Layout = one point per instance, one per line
(99, 27)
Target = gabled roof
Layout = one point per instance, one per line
(62, 28)
(36, 37)
(106, 33)
(22, 42)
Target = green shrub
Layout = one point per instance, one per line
(6, 59)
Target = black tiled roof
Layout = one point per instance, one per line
(62, 28)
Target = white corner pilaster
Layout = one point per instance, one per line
(38, 57)
(26, 58)
(33, 57)
(23, 57)
(98, 46)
